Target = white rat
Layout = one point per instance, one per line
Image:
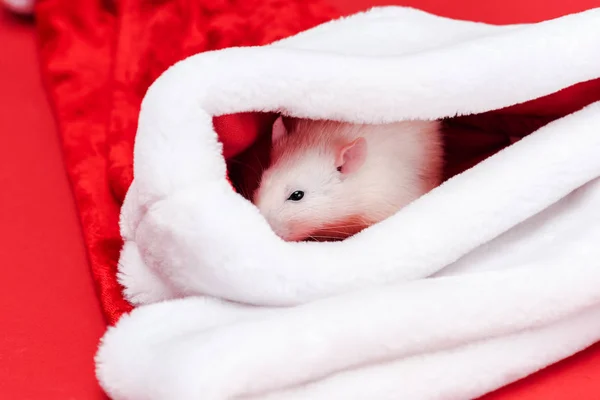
(330, 180)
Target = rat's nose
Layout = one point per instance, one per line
(292, 235)
(282, 233)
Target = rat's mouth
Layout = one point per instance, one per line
(336, 231)
(322, 232)
(319, 239)
(324, 236)
(327, 235)
(307, 236)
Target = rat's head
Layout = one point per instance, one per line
(308, 185)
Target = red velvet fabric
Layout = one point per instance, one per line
(100, 56)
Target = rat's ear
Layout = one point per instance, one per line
(352, 156)
(279, 130)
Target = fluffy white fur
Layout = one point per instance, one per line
(484, 280)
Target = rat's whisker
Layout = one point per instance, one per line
(317, 237)
(358, 225)
(257, 158)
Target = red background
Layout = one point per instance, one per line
(51, 320)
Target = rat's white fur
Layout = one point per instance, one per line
(487, 278)
(403, 162)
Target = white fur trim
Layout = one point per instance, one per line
(491, 263)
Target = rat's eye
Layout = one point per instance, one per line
(296, 196)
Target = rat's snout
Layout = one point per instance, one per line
(290, 231)
(283, 234)
(280, 229)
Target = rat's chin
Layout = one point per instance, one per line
(301, 231)
(309, 235)
(293, 233)
(293, 237)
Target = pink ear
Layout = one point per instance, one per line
(352, 156)
(279, 130)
